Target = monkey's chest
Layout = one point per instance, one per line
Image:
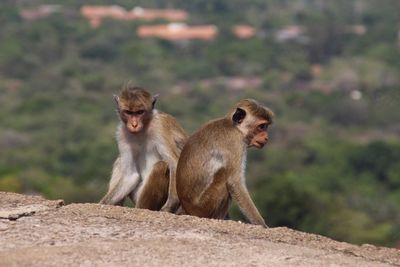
(145, 159)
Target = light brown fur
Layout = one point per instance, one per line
(149, 143)
(211, 167)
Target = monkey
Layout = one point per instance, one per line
(211, 167)
(149, 144)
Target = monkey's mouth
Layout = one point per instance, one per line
(134, 130)
(259, 144)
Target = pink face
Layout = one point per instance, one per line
(134, 120)
(259, 134)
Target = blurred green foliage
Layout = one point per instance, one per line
(333, 164)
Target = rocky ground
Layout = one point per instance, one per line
(39, 232)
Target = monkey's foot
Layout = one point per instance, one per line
(170, 206)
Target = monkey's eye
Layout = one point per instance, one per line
(139, 112)
(263, 126)
(128, 112)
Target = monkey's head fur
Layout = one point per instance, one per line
(135, 107)
(136, 97)
(252, 119)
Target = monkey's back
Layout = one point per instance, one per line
(208, 150)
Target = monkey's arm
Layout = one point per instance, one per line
(241, 195)
(170, 147)
(124, 180)
(172, 202)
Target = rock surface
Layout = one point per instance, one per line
(39, 232)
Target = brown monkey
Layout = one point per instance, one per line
(211, 168)
(149, 144)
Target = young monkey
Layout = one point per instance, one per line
(211, 168)
(149, 144)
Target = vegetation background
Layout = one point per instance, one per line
(333, 163)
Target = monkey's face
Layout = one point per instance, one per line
(135, 107)
(257, 134)
(254, 127)
(135, 120)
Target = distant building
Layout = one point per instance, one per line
(178, 31)
(242, 83)
(139, 13)
(316, 69)
(290, 32)
(357, 29)
(243, 31)
(95, 14)
(39, 12)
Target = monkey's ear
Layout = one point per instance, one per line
(239, 115)
(155, 97)
(116, 98)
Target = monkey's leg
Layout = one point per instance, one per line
(154, 192)
(214, 201)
